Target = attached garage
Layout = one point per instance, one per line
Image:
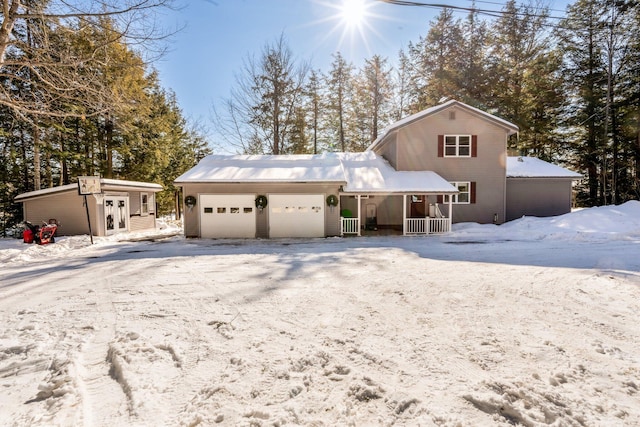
(227, 216)
(262, 196)
(296, 215)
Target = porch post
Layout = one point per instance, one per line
(450, 213)
(404, 214)
(359, 219)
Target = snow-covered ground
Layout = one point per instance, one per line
(535, 322)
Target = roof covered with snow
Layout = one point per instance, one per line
(531, 167)
(432, 110)
(266, 168)
(369, 173)
(359, 172)
(106, 183)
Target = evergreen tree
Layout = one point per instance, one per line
(435, 61)
(339, 83)
(372, 101)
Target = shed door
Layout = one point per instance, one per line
(296, 215)
(227, 216)
(116, 214)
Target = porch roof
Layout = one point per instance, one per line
(367, 172)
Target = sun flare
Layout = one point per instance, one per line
(353, 12)
(353, 23)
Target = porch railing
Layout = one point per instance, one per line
(349, 226)
(439, 225)
(427, 225)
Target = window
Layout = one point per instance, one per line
(208, 210)
(457, 145)
(144, 204)
(222, 210)
(464, 195)
(147, 204)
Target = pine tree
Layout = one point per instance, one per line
(339, 83)
(435, 58)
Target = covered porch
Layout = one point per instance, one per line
(406, 214)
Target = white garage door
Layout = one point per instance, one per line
(227, 216)
(296, 215)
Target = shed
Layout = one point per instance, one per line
(537, 188)
(120, 206)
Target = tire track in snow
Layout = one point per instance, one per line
(104, 397)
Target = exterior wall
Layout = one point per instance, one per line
(538, 197)
(138, 222)
(192, 220)
(390, 151)
(66, 207)
(416, 147)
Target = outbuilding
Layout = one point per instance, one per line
(118, 206)
(537, 188)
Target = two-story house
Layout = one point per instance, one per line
(444, 165)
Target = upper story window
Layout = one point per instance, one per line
(457, 145)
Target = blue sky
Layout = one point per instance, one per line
(218, 35)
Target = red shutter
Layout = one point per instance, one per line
(472, 190)
(440, 145)
(440, 199)
(474, 145)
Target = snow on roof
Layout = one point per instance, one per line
(360, 172)
(531, 167)
(266, 168)
(369, 173)
(103, 181)
(434, 109)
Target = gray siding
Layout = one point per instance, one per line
(138, 222)
(192, 221)
(66, 207)
(416, 148)
(538, 197)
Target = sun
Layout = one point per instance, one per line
(354, 12)
(352, 24)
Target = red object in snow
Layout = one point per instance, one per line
(40, 235)
(27, 236)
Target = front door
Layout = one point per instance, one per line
(418, 207)
(116, 214)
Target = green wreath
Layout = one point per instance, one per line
(190, 201)
(332, 200)
(261, 202)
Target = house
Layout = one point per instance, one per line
(444, 165)
(118, 206)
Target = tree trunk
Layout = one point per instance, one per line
(36, 158)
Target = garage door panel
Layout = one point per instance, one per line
(296, 215)
(227, 216)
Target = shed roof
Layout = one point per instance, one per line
(111, 184)
(531, 167)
